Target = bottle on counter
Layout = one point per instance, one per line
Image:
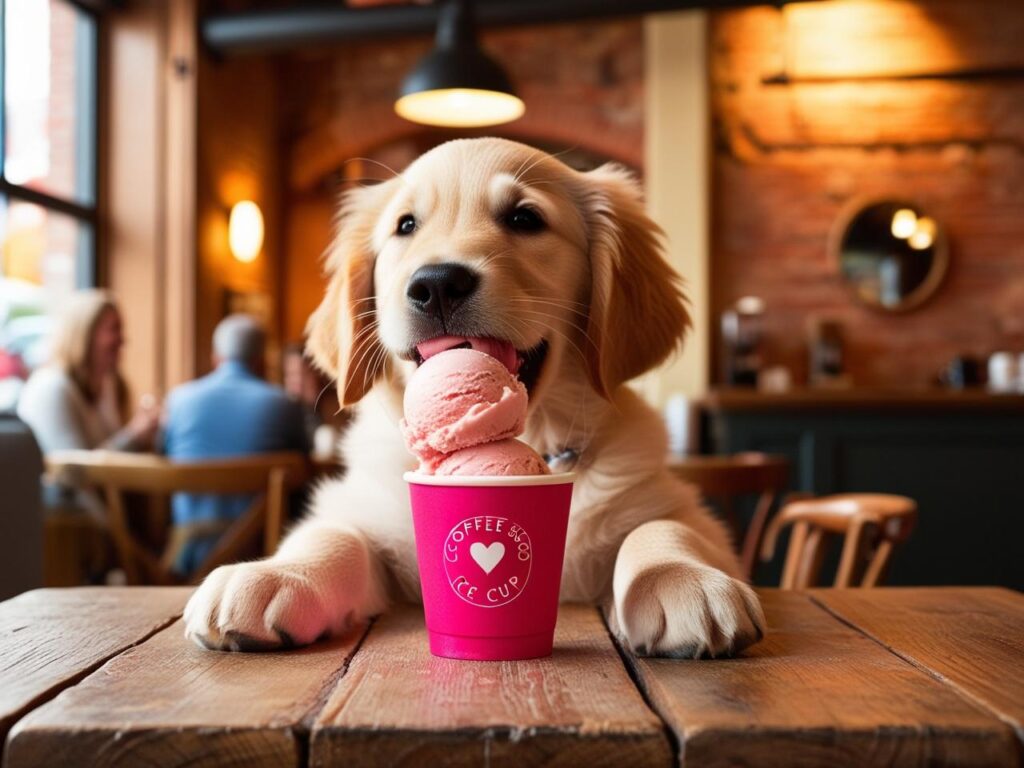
(826, 354)
(962, 372)
(741, 336)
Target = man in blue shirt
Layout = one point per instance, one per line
(228, 413)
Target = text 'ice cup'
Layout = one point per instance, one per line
(490, 551)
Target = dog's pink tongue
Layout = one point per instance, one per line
(503, 351)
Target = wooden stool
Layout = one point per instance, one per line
(723, 478)
(871, 523)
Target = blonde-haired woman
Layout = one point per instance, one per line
(79, 400)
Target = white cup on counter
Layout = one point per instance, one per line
(683, 422)
(775, 380)
(1003, 372)
(325, 442)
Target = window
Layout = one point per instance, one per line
(48, 66)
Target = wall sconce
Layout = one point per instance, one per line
(457, 84)
(245, 231)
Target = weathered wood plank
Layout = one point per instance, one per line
(816, 692)
(50, 638)
(399, 706)
(167, 702)
(973, 639)
(904, 39)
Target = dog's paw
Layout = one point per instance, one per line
(258, 606)
(684, 610)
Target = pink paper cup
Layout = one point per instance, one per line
(490, 553)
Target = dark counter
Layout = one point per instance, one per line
(960, 455)
(911, 400)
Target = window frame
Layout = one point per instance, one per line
(87, 139)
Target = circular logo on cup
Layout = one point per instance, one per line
(487, 560)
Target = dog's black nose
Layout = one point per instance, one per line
(438, 289)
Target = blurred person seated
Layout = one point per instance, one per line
(230, 412)
(324, 420)
(304, 385)
(79, 400)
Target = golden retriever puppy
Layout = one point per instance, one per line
(487, 239)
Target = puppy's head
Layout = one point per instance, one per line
(496, 245)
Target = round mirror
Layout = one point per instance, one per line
(891, 253)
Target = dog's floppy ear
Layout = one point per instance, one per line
(637, 308)
(342, 335)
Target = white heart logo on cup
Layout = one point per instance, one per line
(501, 550)
(487, 557)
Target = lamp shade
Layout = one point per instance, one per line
(457, 84)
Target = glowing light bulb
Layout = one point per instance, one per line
(750, 305)
(904, 223)
(920, 241)
(245, 231)
(924, 234)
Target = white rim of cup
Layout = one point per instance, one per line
(478, 481)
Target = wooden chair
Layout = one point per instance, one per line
(872, 524)
(268, 476)
(723, 478)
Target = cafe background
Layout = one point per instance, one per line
(760, 133)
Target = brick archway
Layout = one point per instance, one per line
(549, 125)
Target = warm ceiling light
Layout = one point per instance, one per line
(457, 84)
(245, 231)
(460, 107)
(904, 223)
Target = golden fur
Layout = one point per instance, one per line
(595, 286)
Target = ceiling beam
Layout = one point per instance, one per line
(286, 28)
(98, 6)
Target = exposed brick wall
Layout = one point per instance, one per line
(582, 84)
(912, 99)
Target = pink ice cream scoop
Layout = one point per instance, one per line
(460, 401)
(504, 457)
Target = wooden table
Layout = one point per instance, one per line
(103, 677)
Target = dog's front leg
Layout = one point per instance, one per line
(321, 580)
(673, 597)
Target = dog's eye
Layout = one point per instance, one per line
(406, 225)
(524, 219)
